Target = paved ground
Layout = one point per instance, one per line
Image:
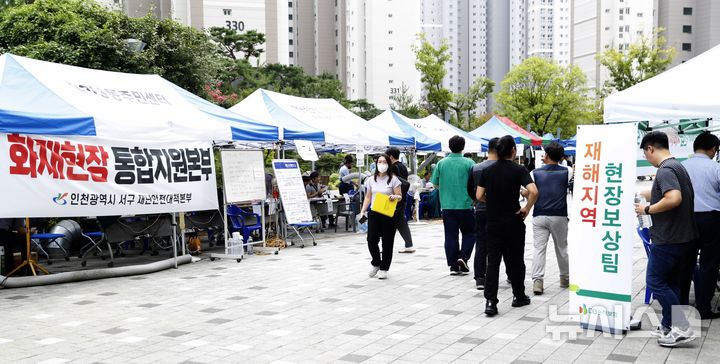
(311, 305)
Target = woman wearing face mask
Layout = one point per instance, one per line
(380, 226)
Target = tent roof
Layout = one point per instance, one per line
(499, 126)
(686, 91)
(438, 129)
(320, 120)
(243, 128)
(395, 123)
(38, 97)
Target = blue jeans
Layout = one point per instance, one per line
(667, 269)
(454, 222)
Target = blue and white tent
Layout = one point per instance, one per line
(317, 120)
(38, 97)
(394, 123)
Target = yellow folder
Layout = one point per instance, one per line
(383, 205)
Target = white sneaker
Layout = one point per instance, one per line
(659, 332)
(373, 271)
(676, 337)
(382, 274)
(407, 250)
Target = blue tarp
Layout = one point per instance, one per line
(422, 142)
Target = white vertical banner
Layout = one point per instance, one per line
(602, 226)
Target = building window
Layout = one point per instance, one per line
(290, 29)
(390, 31)
(687, 47)
(290, 42)
(639, 15)
(291, 54)
(290, 17)
(227, 11)
(289, 4)
(389, 15)
(390, 64)
(687, 11)
(390, 48)
(687, 29)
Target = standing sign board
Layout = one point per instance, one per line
(602, 226)
(91, 176)
(243, 175)
(292, 191)
(243, 181)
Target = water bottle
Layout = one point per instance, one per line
(644, 221)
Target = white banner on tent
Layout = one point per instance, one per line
(602, 226)
(90, 176)
(681, 147)
(292, 191)
(306, 150)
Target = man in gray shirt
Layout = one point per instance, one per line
(705, 176)
(480, 261)
(673, 232)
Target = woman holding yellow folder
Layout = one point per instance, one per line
(382, 191)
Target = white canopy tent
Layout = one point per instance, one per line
(318, 120)
(38, 97)
(395, 123)
(686, 91)
(438, 129)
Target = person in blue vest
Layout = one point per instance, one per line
(550, 216)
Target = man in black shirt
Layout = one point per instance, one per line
(499, 186)
(673, 233)
(401, 172)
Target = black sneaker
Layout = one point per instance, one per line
(463, 266)
(454, 270)
(480, 284)
(491, 308)
(522, 301)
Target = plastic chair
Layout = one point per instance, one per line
(346, 210)
(238, 222)
(644, 234)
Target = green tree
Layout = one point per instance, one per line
(403, 102)
(86, 34)
(230, 41)
(363, 108)
(430, 61)
(544, 94)
(467, 102)
(644, 59)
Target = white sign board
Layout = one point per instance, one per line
(360, 160)
(306, 150)
(90, 176)
(602, 226)
(681, 147)
(243, 175)
(292, 191)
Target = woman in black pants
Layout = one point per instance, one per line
(379, 225)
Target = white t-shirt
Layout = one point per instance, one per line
(381, 185)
